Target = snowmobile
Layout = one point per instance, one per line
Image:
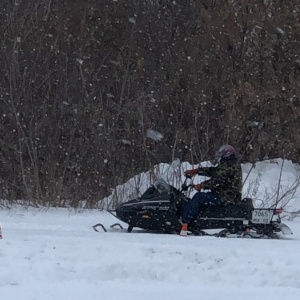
(160, 209)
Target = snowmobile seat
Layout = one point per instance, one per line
(241, 208)
(248, 202)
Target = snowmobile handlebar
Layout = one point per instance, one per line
(186, 186)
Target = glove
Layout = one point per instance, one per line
(198, 187)
(191, 173)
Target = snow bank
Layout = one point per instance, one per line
(267, 183)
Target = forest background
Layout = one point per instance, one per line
(93, 92)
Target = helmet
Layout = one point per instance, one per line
(225, 152)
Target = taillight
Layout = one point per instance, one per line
(279, 211)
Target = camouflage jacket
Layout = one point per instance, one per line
(225, 180)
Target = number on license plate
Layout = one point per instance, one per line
(261, 216)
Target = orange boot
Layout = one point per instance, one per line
(184, 230)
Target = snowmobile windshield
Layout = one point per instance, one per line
(161, 186)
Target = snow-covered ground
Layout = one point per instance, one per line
(54, 254)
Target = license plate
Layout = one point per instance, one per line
(261, 216)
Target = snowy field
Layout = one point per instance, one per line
(54, 254)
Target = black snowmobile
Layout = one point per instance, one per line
(160, 208)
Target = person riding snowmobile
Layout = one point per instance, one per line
(225, 185)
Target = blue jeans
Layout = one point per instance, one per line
(200, 199)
